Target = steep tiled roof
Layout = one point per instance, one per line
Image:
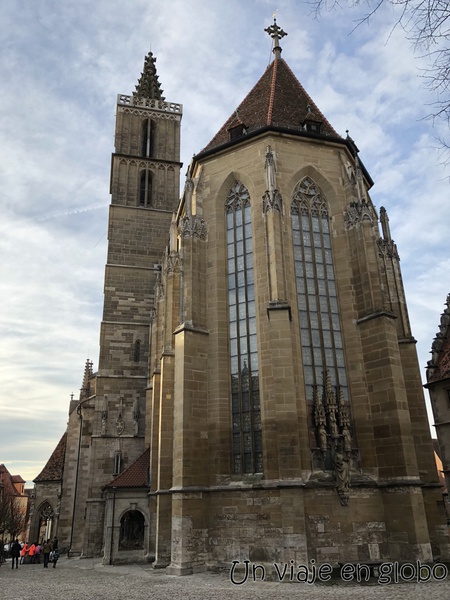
(136, 475)
(53, 470)
(439, 365)
(277, 100)
(17, 479)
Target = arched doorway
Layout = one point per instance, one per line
(132, 527)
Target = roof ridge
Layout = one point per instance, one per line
(272, 92)
(309, 97)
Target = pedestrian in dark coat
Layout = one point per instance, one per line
(15, 553)
(46, 549)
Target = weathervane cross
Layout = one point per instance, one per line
(276, 33)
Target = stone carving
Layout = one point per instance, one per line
(171, 263)
(193, 227)
(136, 417)
(333, 433)
(104, 415)
(120, 423)
(358, 212)
(387, 248)
(272, 199)
(342, 473)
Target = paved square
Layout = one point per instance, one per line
(76, 579)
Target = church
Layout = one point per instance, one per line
(258, 394)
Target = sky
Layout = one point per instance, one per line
(62, 64)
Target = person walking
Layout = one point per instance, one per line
(37, 553)
(15, 553)
(55, 556)
(23, 553)
(31, 553)
(46, 549)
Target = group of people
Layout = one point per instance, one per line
(32, 553)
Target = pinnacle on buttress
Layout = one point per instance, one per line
(84, 391)
(148, 85)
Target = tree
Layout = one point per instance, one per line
(427, 25)
(12, 516)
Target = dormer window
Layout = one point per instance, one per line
(312, 126)
(237, 131)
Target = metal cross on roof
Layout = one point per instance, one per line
(276, 33)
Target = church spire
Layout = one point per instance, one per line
(148, 85)
(276, 33)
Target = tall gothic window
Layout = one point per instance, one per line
(320, 328)
(145, 189)
(246, 412)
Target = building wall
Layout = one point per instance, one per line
(388, 516)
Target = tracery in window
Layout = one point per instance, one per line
(246, 412)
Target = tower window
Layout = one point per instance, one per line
(117, 462)
(145, 188)
(148, 135)
(137, 350)
(246, 411)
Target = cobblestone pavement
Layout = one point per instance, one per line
(78, 579)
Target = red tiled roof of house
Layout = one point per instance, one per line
(278, 100)
(6, 480)
(53, 470)
(136, 475)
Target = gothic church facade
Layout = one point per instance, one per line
(258, 394)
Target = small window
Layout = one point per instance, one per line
(237, 132)
(137, 350)
(117, 462)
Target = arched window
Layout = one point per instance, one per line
(246, 412)
(145, 188)
(132, 527)
(320, 327)
(148, 135)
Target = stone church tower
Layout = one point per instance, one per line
(258, 395)
(106, 430)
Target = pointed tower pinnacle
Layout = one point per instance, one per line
(148, 85)
(276, 33)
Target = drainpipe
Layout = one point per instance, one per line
(112, 527)
(80, 415)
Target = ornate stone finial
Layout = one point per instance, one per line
(276, 33)
(148, 85)
(385, 224)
